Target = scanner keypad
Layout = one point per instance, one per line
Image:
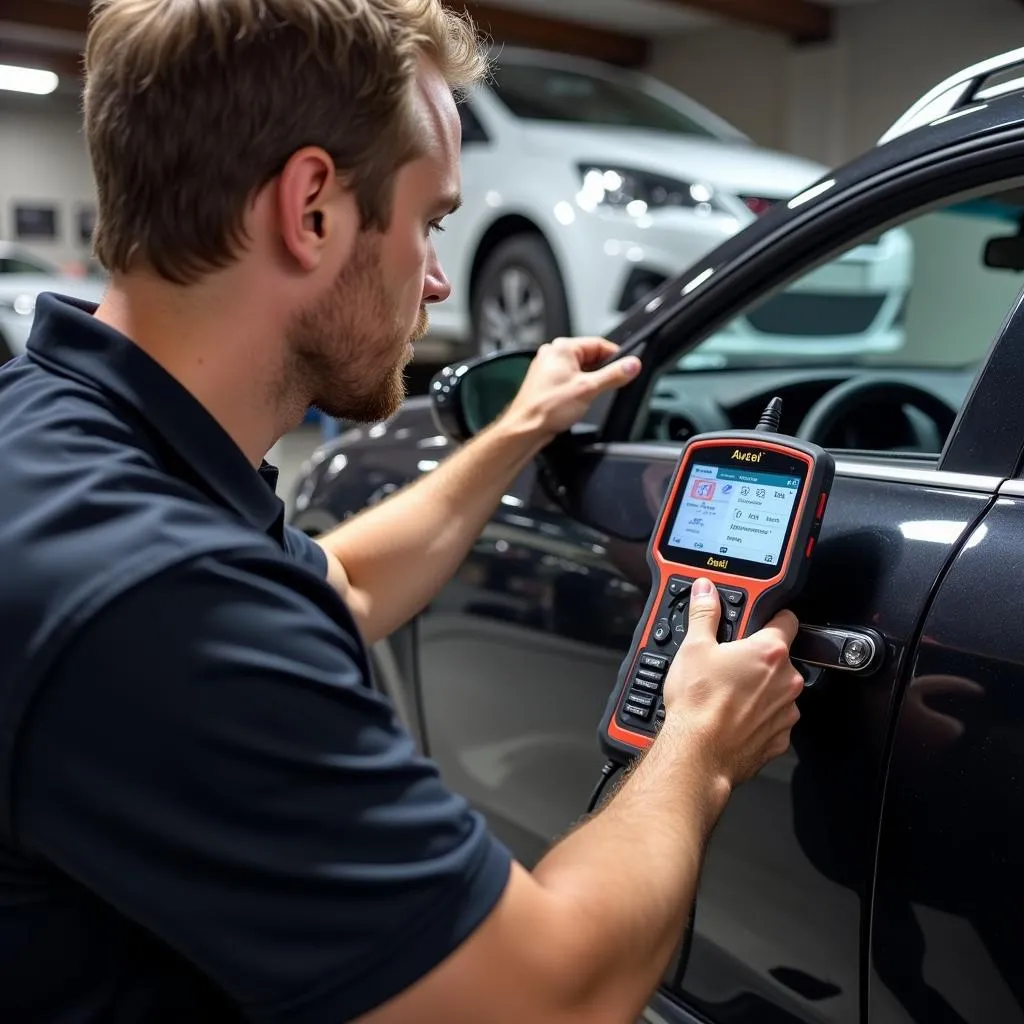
(671, 621)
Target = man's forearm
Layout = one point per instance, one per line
(625, 934)
(398, 554)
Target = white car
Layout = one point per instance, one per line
(585, 187)
(22, 277)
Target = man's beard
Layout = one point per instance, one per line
(350, 351)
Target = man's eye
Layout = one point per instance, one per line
(436, 225)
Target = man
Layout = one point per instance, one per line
(206, 813)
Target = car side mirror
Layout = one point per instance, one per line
(469, 396)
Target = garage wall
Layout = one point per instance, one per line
(831, 101)
(44, 160)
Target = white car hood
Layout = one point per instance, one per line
(731, 167)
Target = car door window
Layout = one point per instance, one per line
(18, 266)
(472, 129)
(535, 92)
(873, 350)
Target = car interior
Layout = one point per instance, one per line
(894, 385)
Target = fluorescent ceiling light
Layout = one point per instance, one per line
(15, 79)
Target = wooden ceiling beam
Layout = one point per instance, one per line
(804, 21)
(55, 17)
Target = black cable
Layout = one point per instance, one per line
(609, 769)
(771, 416)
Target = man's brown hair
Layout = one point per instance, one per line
(192, 106)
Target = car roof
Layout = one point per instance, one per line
(973, 86)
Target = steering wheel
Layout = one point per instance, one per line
(832, 408)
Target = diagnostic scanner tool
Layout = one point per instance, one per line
(743, 509)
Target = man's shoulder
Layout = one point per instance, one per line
(90, 514)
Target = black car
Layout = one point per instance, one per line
(876, 872)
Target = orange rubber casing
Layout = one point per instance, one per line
(764, 597)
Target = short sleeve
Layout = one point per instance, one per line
(208, 759)
(305, 550)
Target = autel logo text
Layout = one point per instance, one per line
(746, 456)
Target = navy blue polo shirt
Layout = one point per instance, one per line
(206, 813)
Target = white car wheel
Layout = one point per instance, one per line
(519, 300)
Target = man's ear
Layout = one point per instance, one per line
(317, 214)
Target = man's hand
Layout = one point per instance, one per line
(431, 525)
(560, 384)
(737, 699)
(604, 946)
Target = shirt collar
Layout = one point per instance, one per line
(67, 337)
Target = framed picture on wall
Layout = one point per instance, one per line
(35, 222)
(86, 224)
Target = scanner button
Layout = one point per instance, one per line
(734, 597)
(662, 632)
(677, 586)
(647, 673)
(660, 713)
(647, 685)
(732, 614)
(653, 661)
(634, 709)
(643, 700)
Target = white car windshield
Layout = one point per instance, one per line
(535, 92)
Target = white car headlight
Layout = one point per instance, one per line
(637, 192)
(23, 305)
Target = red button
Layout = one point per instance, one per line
(821, 505)
(810, 547)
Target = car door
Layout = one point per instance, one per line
(516, 657)
(946, 939)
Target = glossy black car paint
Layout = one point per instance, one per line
(947, 935)
(870, 874)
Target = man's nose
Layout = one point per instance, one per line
(436, 286)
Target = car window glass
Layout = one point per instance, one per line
(873, 350)
(472, 129)
(538, 93)
(17, 266)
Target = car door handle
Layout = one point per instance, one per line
(855, 650)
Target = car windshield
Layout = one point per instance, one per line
(21, 265)
(922, 295)
(534, 92)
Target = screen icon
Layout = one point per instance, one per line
(703, 489)
(727, 488)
